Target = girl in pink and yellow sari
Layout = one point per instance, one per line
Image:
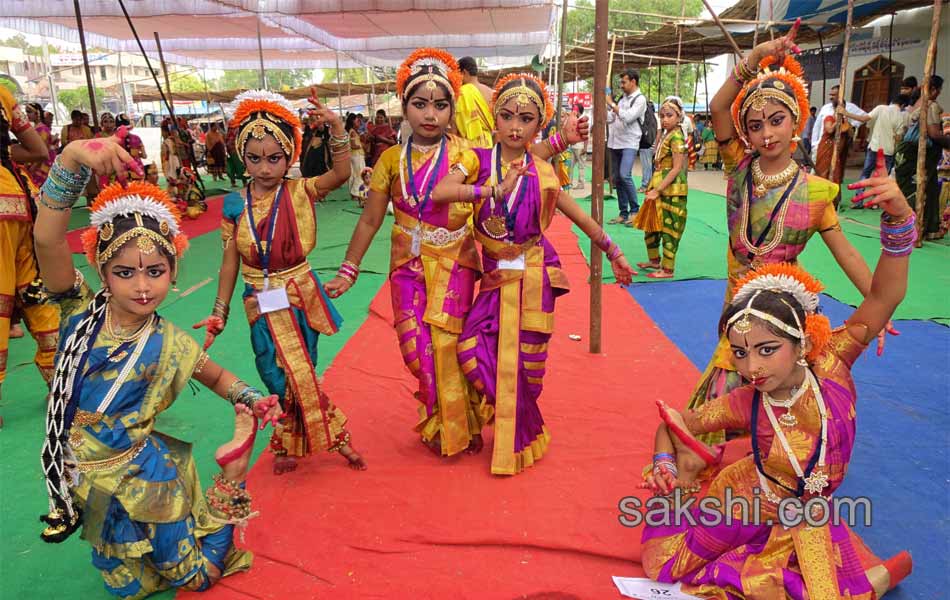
(503, 345)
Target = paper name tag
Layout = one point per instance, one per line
(647, 589)
(273, 299)
(514, 264)
(416, 248)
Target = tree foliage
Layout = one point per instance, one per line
(79, 98)
(187, 83)
(19, 41)
(580, 30)
(277, 79)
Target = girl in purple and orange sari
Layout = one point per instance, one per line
(773, 208)
(268, 229)
(783, 539)
(503, 345)
(434, 262)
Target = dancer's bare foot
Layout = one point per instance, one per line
(689, 463)
(649, 265)
(235, 455)
(434, 445)
(476, 445)
(284, 464)
(353, 458)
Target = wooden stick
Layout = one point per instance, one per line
(725, 32)
(85, 63)
(168, 85)
(601, 80)
(679, 46)
(922, 120)
(842, 98)
(610, 61)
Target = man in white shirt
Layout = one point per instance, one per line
(623, 141)
(885, 121)
(852, 112)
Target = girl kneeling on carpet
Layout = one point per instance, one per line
(800, 411)
(773, 207)
(434, 261)
(268, 229)
(135, 491)
(503, 345)
(663, 214)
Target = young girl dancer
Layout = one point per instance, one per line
(434, 262)
(503, 345)
(268, 229)
(800, 411)
(773, 207)
(663, 214)
(135, 491)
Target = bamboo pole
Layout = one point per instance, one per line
(679, 45)
(925, 92)
(260, 53)
(824, 74)
(601, 79)
(842, 96)
(171, 100)
(560, 71)
(725, 32)
(633, 54)
(339, 92)
(148, 63)
(758, 16)
(85, 64)
(610, 63)
(635, 13)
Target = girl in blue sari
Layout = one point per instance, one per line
(135, 491)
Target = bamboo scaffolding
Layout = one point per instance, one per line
(85, 63)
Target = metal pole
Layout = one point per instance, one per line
(560, 74)
(842, 97)
(597, 177)
(54, 97)
(925, 95)
(339, 93)
(260, 52)
(125, 97)
(151, 71)
(85, 63)
(824, 73)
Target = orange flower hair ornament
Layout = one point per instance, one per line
(258, 113)
(798, 283)
(516, 86)
(785, 85)
(139, 199)
(429, 66)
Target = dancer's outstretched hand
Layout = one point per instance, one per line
(213, 325)
(659, 480)
(324, 114)
(268, 410)
(104, 156)
(623, 272)
(777, 48)
(336, 287)
(880, 190)
(575, 130)
(515, 170)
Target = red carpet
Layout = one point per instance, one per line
(207, 222)
(415, 526)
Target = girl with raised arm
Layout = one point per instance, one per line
(135, 491)
(268, 230)
(800, 412)
(513, 195)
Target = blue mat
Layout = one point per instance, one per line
(901, 459)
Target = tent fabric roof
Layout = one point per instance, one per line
(702, 39)
(324, 90)
(297, 33)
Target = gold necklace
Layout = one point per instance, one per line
(762, 183)
(119, 338)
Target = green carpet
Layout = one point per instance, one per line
(32, 569)
(702, 254)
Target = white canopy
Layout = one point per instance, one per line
(222, 34)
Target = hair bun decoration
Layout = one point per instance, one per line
(138, 198)
(428, 65)
(257, 112)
